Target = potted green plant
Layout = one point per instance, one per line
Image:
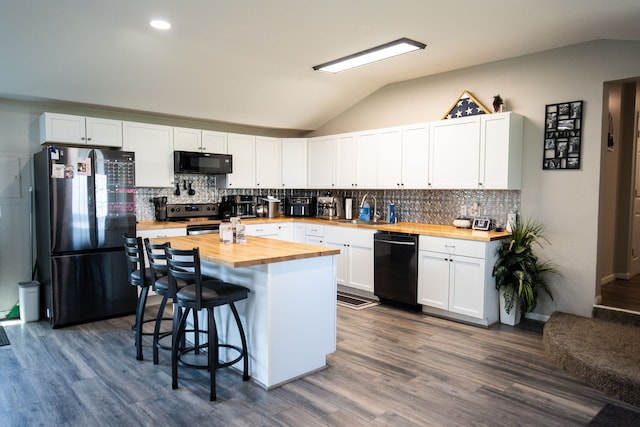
(497, 103)
(519, 274)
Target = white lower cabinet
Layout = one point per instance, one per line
(263, 230)
(454, 279)
(289, 231)
(314, 234)
(355, 262)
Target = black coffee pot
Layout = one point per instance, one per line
(160, 205)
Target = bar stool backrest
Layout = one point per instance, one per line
(157, 258)
(185, 265)
(135, 259)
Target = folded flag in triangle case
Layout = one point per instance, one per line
(465, 106)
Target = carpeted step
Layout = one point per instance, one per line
(604, 354)
(626, 317)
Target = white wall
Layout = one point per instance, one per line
(18, 140)
(565, 201)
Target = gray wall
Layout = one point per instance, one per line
(566, 202)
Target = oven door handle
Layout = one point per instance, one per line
(393, 242)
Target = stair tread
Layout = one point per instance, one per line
(603, 353)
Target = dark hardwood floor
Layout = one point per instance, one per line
(391, 368)
(623, 294)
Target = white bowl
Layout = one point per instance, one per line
(462, 223)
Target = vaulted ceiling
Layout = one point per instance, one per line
(249, 61)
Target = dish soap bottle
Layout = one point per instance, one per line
(365, 212)
(392, 213)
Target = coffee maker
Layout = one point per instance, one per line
(160, 206)
(329, 207)
(242, 206)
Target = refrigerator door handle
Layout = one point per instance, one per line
(91, 201)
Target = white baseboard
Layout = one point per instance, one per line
(539, 317)
(607, 279)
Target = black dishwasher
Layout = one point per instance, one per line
(395, 268)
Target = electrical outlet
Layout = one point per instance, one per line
(474, 210)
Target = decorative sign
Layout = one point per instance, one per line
(465, 106)
(562, 136)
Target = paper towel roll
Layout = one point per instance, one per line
(348, 208)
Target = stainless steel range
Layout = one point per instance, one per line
(204, 218)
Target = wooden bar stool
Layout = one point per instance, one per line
(198, 295)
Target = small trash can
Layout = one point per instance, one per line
(29, 297)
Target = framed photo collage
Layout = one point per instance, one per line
(562, 136)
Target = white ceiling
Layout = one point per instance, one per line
(249, 61)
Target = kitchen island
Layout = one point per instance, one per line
(290, 314)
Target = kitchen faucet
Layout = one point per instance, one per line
(375, 215)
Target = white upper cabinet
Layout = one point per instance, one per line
(415, 156)
(214, 142)
(242, 148)
(346, 155)
(153, 147)
(186, 139)
(294, 163)
(320, 162)
(356, 160)
(454, 153)
(206, 141)
(501, 138)
(403, 157)
(268, 162)
(80, 130)
(390, 158)
(366, 164)
(479, 152)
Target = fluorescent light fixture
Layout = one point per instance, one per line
(368, 56)
(160, 24)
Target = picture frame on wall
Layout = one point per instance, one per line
(562, 136)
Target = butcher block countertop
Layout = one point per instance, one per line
(256, 251)
(401, 227)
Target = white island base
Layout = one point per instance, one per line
(289, 317)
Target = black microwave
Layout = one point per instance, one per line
(206, 163)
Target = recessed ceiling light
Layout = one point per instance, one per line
(368, 56)
(160, 24)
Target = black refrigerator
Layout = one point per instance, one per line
(84, 202)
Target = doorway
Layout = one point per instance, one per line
(619, 223)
